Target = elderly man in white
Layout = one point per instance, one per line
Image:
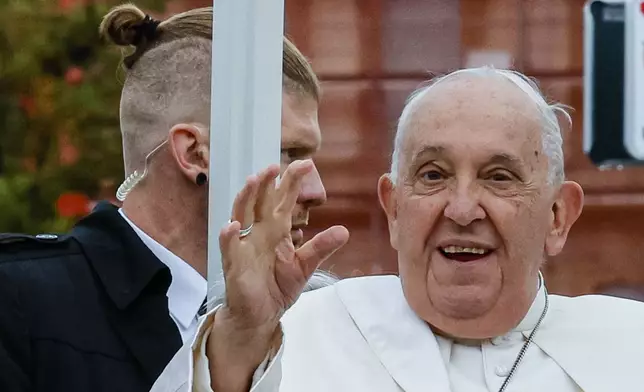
(476, 201)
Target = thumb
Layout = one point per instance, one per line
(315, 251)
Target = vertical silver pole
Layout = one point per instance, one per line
(246, 108)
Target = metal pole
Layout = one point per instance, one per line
(246, 108)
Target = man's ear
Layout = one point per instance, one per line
(565, 211)
(389, 203)
(189, 146)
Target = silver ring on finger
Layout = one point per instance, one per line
(244, 232)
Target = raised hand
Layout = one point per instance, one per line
(264, 273)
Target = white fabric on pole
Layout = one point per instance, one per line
(246, 107)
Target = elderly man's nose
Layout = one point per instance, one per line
(463, 207)
(312, 192)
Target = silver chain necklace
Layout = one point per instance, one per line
(525, 346)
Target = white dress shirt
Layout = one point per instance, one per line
(483, 366)
(187, 290)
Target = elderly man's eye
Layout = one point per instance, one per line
(432, 175)
(500, 176)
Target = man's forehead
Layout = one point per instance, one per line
(490, 91)
(474, 104)
(301, 133)
(483, 116)
(300, 121)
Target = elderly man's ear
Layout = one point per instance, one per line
(389, 204)
(565, 211)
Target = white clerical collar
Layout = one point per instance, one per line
(188, 288)
(534, 313)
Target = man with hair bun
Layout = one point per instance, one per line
(105, 307)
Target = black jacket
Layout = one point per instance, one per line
(83, 312)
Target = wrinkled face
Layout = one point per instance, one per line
(473, 216)
(301, 139)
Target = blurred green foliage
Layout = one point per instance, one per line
(59, 98)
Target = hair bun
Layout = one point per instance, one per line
(127, 25)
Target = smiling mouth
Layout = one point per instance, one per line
(464, 254)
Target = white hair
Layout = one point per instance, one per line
(551, 131)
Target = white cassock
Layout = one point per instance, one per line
(361, 335)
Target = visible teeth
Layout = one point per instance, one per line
(460, 249)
